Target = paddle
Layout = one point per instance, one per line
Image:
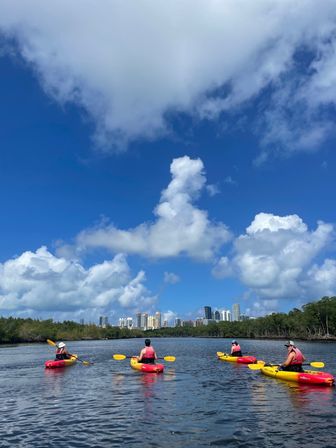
(86, 363)
(261, 364)
(118, 357)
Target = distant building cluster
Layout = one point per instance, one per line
(210, 316)
(145, 321)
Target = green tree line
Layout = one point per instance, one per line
(316, 320)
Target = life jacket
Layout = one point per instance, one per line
(60, 351)
(298, 357)
(61, 354)
(149, 353)
(235, 348)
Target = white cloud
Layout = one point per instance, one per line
(180, 227)
(38, 282)
(129, 64)
(275, 258)
(262, 307)
(171, 278)
(212, 190)
(321, 280)
(169, 316)
(222, 268)
(230, 181)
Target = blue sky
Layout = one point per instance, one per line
(153, 162)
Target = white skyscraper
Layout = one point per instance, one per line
(225, 315)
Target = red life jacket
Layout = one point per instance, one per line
(60, 351)
(298, 357)
(235, 348)
(149, 353)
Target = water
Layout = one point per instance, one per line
(199, 401)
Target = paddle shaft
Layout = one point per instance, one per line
(120, 357)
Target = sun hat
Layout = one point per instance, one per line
(289, 343)
(60, 345)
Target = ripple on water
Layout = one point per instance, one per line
(200, 401)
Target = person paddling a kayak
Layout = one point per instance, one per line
(235, 349)
(147, 354)
(294, 359)
(62, 351)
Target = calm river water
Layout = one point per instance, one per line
(199, 401)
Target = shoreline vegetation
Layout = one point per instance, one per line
(316, 321)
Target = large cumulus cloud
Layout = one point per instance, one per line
(129, 64)
(39, 282)
(180, 228)
(277, 258)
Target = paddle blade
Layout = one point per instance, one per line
(86, 363)
(119, 357)
(219, 354)
(169, 358)
(317, 364)
(50, 342)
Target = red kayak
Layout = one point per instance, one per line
(57, 363)
(148, 368)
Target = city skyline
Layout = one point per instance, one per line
(146, 321)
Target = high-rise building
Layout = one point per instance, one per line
(165, 324)
(126, 322)
(157, 320)
(129, 323)
(235, 312)
(216, 315)
(199, 322)
(207, 312)
(150, 322)
(103, 321)
(177, 322)
(225, 315)
(122, 322)
(138, 320)
(81, 321)
(144, 321)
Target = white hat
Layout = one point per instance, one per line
(60, 345)
(289, 343)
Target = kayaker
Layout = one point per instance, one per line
(62, 351)
(147, 354)
(294, 359)
(235, 349)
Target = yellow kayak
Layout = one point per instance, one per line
(149, 368)
(238, 359)
(56, 363)
(306, 377)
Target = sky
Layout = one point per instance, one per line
(166, 156)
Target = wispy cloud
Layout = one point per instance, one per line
(129, 63)
(171, 278)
